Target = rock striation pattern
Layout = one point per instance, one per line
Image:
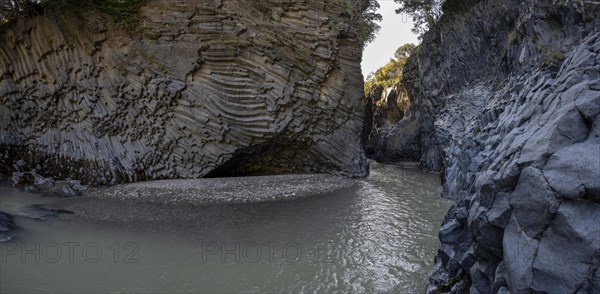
(506, 98)
(203, 88)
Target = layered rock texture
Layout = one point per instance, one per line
(505, 101)
(200, 88)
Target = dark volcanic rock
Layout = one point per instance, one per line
(388, 140)
(41, 213)
(7, 225)
(520, 252)
(574, 172)
(452, 232)
(6, 222)
(564, 257)
(202, 88)
(534, 203)
(33, 182)
(505, 101)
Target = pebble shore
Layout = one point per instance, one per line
(167, 203)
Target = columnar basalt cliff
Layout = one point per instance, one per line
(505, 101)
(200, 88)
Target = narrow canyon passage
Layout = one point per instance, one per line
(378, 236)
(136, 117)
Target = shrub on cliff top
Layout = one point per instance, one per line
(11, 9)
(391, 73)
(124, 12)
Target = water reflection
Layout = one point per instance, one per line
(377, 237)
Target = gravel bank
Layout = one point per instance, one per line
(225, 190)
(168, 203)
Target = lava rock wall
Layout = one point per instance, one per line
(506, 97)
(201, 88)
(392, 137)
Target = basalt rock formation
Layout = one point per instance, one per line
(505, 96)
(199, 88)
(389, 131)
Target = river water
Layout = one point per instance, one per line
(378, 237)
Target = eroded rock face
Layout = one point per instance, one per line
(506, 97)
(204, 88)
(389, 107)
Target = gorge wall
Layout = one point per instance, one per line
(391, 133)
(505, 102)
(200, 88)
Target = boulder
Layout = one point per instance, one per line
(574, 171)
(6, 222)
(519, 250)
(533, 202)
(564, 260)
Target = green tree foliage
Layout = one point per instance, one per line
(368, 27)
(124, 12)
(404, 51)
(425, 13)
(11, 9)
(391, 73)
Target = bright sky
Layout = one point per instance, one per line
(395, 31)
